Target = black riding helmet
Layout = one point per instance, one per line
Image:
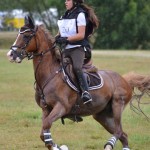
(78, 1)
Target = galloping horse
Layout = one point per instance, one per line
(58, 100)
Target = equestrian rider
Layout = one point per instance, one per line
(75, 26)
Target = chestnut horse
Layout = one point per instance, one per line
(58, 100)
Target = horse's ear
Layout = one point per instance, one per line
(26, 20)
(29, 22)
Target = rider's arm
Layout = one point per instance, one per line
(81, 24)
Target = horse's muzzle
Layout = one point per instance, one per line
(13, 57)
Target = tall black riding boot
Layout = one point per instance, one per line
(86, 96)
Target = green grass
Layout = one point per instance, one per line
(7, 39)
(20, 117)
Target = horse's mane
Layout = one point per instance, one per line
(51, 40)
(47, 33)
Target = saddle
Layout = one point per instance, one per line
(93, 77)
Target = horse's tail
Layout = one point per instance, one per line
(140, 85)
(141, 82)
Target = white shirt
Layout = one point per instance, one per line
(81, 21)
(67, 27)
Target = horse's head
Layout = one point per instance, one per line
(25, 43)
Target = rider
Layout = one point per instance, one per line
(75, 26)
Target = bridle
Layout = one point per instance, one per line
(30, 55)
(27, 39)
(23, 53)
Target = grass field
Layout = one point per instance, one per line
(7, 39)
(20, 117)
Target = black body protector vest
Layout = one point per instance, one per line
(72, 15)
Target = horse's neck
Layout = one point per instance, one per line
(45, 67)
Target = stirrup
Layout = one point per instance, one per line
(86, 97)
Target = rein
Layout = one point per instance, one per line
(40, 89)
(23, 53)
(31, 55)
(43, 52)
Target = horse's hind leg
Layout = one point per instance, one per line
(110, 119)
(118, 104)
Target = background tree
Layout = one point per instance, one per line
(124, 24)
(36, 7)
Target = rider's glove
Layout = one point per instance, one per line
(61, 40)
(57, 37)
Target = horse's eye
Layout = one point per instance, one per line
(26, 37)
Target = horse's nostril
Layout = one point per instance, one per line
(11, 54)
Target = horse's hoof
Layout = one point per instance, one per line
(55, 148)
(108, 147)
(64, 147)
(125, 149)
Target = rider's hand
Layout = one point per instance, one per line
(61, 40)
(57, 37)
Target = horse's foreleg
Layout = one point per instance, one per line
(57, 112)
(45, 113)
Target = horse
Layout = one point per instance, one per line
(57, 100)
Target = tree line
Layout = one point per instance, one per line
(124, 24)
